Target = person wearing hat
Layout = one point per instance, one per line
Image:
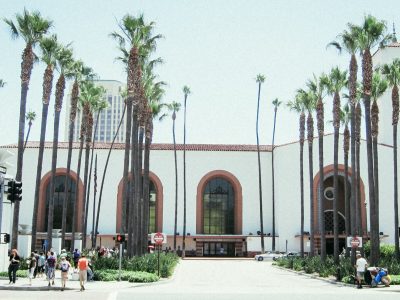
(64, 267)
(361, 266)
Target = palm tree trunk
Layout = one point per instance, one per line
(146, 185)
(78, 171)
(26, 69)
(176, 184)
(141, 194)
(59, 96)
(320, 124)
(132, 227)
(346, 138)
(94, 202)
(336, 116)
(90, 171)
(27, 135)
(273, 182)
(47, 85)
(310, 137)
(302, 128)
(396, 202)
(184, 181)
(374, 134)
(72, 117)
(104, 175)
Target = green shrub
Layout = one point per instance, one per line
(131, 276)
(20, 273)
(143, 277)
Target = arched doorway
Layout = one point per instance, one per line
(328, 205)
(59, 196)
(219, 215)
(155, 208)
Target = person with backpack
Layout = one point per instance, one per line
(51, 265)
(64, 267)
(40, 263)
(76, 256)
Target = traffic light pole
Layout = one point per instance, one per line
(120, 259)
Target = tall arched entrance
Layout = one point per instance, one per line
(328, 196)
(219, 215)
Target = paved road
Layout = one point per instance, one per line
(220, 280)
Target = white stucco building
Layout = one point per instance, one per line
(222, 190)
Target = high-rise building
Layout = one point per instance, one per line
(109, 118)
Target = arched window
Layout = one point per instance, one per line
(59, 196)
(218, 207)
(155, 205)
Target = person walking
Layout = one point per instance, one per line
(51, 265)
(14, 265)
(31, 267)
(64, 267)
(361, 266)
(40, 264)
(76, 256)
(83, 266)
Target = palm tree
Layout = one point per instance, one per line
(92, 95)
(30, 117)
(98, 106)
(379, 86)
(392, 75)
(317, 88)
(370, 34)
(48, 47)
(276, 104)
(260, 79)
(298, 106)
(31, 27)
(80, 71)
(64, 66)
(336, 81)
(348, 41)
(186, 92)
(138, 37)
(175, 106)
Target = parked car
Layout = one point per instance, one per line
(268, 256)
(292, 254)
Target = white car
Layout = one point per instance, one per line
(268, 256)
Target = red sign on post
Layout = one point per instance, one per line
(158, 238)
(354, 241)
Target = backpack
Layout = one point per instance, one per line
(64, 267)
(51, 261)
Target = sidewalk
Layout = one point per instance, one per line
(41, 284)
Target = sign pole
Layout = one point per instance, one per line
(158, 260)
(120, 259)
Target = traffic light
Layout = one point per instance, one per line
(6, 238)
(14, 191)
(120, 238)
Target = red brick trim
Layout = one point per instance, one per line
(159, 202)
(329, 169)
(238, 199)
(42, 201)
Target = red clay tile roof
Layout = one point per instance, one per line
(160, 147)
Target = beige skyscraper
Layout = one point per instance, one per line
(109, 117)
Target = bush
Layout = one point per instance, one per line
(131, 276)
(20, 273)
(146, 263)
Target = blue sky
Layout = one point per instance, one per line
(215, 47)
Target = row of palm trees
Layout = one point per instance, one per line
(355, 39)
(142, 103)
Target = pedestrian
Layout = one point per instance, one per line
(64, 267)
(83, 266)
(76, 256)
(361, 266)
(37, 267)
(31, 267)
(40, 263)
(14, 265)
(51, 265)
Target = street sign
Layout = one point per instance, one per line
(354, 241)
(158, 238)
